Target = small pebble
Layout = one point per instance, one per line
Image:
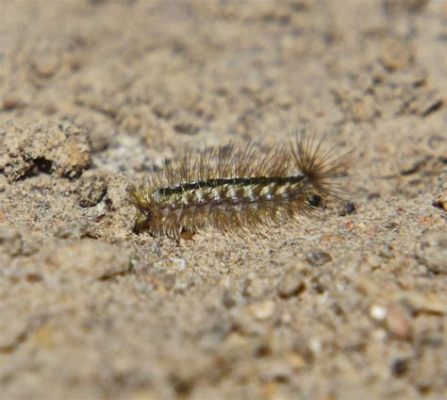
(316, 346)
(317, 258)
(377, 312)
(441, 201)
(398, 321)
(10, 103)
(347, 208)
(228, 300)
(292, 284)
(46, 67)
(399, 367)
(91, 190)
(262, 310)
(396, 54)
(432, 250)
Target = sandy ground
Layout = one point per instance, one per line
(95, 94)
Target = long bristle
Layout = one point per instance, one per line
(324, 168)
(231, 188)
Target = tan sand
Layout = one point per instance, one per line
(95, 94)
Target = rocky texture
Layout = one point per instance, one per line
(95, 94)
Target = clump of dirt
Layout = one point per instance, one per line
(60, 149)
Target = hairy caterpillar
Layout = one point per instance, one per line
(229, 188)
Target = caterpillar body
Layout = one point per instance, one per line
(230, 188)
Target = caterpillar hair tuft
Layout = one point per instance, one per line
(231, 188)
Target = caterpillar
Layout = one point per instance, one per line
(231, 188)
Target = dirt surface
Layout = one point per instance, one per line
(95, 94)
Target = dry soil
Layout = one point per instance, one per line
(95, 94)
